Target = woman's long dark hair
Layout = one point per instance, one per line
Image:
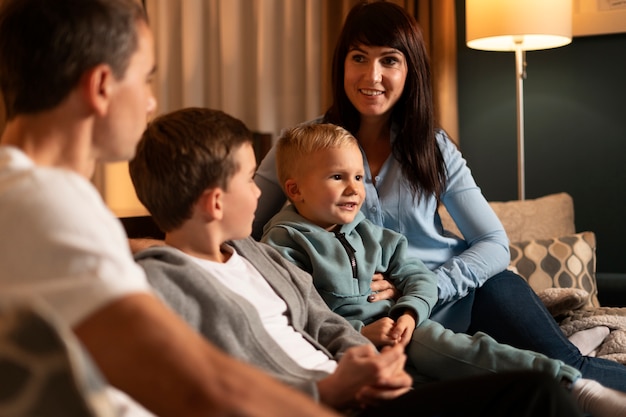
(415, 147)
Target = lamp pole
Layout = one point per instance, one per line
(520, 73)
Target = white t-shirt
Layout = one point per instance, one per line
(60, 244)
(244, 279)
(59, 241)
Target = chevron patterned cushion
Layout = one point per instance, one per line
(562, 262)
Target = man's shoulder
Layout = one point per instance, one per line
(27, 183)
(59, 228)
(49, 201)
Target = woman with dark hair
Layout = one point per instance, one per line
(382, 94)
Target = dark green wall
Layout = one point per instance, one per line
(575, 129)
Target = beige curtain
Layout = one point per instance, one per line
(266, 62)
(255, 59)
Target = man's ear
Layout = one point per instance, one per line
(210, 204)
(97, 86)
(292, 190)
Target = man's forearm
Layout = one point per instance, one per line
(145, 350)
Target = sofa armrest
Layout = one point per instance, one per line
(611, 289)
(141, 227)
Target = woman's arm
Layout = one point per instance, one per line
(272, 197)
(486, 244)
(487, 250)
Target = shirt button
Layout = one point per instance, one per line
(373, 209)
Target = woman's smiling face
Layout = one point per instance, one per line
(374, 78)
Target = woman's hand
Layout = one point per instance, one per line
(382, 289)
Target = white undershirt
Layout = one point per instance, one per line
(244, 279)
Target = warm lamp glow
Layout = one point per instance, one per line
(497, 25)
(520, 26)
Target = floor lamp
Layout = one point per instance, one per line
(519, 26)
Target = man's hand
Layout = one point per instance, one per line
(393, 380)
(364, 376)
(382, 289)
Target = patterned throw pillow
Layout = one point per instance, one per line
(563, 262)
(44, 371)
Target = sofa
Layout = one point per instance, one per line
(559, 263)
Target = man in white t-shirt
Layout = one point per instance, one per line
(75, 79)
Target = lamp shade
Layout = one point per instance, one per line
(504, 25)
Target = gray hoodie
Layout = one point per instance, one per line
(233, 324)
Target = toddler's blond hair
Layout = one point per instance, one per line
(297, 143)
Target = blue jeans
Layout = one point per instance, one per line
(507, 309)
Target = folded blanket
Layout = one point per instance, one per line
(565, 305)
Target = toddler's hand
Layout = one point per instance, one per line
(380, 332)
(403, 329)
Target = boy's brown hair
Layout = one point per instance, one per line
(179, 156)
(296, 144)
